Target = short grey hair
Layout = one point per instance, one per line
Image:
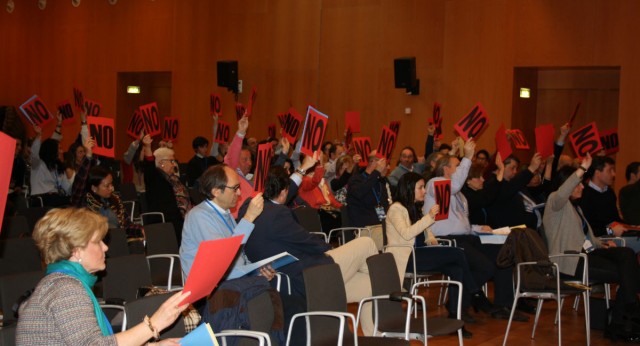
(162, 154)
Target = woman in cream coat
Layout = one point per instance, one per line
(407, 226)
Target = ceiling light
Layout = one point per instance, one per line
(525, 93)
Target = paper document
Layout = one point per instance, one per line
(277, 261)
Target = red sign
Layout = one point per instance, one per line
(291, 123)
(214, 105)
(65, 108)
(7, 151)
(263, 161)
(151, 119)
(362, 146)
(78, 99)
(136, 125)
(171, 127)
(502, 143)
(609, 140)
(437, 121)
(352, 121)
(544, 140)
(315, 126)
(517, 137)
(387, 143)
(252, 99)
(93, 108)
(103, 132)
(586, 140)
(395, 127)
(240, 111)
(281, 119)
(472, 124)
(222, 134)
(36, 112)
(442, 190)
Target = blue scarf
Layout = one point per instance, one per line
(77, 271)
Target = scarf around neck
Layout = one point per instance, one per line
(76, 271)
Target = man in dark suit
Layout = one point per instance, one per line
(277, 230)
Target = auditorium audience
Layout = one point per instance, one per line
(164, 190)
(276, 231)
(63, 309)
(406, 225)
(48, 177)
(599, 200)
(567, 228)
(481, 257)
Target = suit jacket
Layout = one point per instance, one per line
(563, 226)
(276, 230)
(160, 196)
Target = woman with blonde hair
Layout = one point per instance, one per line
(63, 309)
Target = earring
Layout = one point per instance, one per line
(79, 260)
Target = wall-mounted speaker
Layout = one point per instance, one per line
(404, 72)
(228, 75)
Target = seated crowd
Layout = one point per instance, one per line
(571, 205)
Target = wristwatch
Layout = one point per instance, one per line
(301, 171)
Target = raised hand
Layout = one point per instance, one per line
(536, 160)
(469, 148)
(255, 208)
(243, 125)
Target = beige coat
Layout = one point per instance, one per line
(563, 226)
(400, 231)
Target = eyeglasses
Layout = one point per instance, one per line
(175, 162)
(235, 188)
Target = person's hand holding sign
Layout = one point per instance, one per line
(469, 148)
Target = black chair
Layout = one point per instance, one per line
(163, 255)
(124, 276)
(151, 217)
(136, 310)
(19, 255)
(8, 335)
(128, 192)
(12, 287)
(116, 240)
(308, 218)
(390, 318)
(34, 214)
(15, 227)
(327, 311)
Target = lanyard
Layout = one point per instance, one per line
(375, 194)
(221, 216)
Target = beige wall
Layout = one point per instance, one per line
(335, 54)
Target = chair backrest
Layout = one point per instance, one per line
(151, 217)
(308, 218)
(35, 214)
(383, 273)
(8, 335)
(161, 239)
(116, 240)
(124, 275)
(15, 227)
(128, 192)
(137, 309)
(325, 291)
(19, 255)
(13, 286)
(129, 207)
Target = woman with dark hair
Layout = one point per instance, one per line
(407, 226)
(567, 229)
(48, 178)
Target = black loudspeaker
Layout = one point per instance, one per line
(228, 75)
(404, 70)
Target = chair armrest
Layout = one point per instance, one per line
(579, 255)
(619, 241)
